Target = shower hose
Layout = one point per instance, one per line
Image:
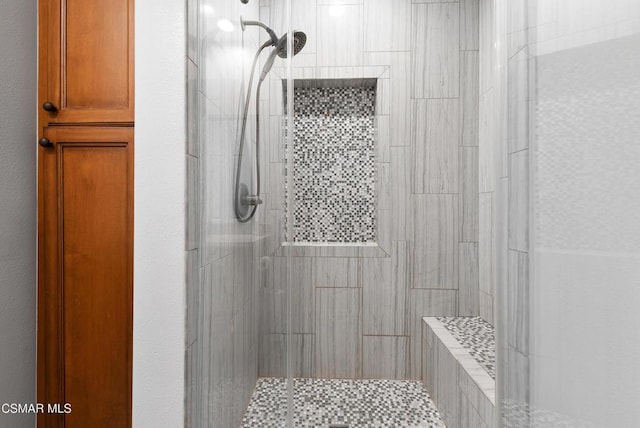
(237, 202)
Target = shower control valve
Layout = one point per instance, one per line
(251, 200)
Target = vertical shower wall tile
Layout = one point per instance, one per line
(518, 302)
(276, 186)
(276, 139)
(519, 201)
(468, 292)
(435, 259)
(192, 30)
(469, 25)
(386, 283)
(384, 186)
(273, 355)
(340, 35)
(336, 272)
(436, 46)
(469, 194)
(401, 119)
(301, 20)
(487, 244)
(193, 101)
(519, 111)
(435, 145)
(487, 141)
(469, 98)
(448, 386)
(385, 25)
(193, 203)
(383, 138)
(383, 97)
(338, 335)
(302, 295)
(401, 209)
(427, 303)
(193, 295)
(385, 357)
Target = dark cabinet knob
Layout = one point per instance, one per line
(48, 106)
(45, 142)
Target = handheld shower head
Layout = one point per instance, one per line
(281, 49)
(299, 40)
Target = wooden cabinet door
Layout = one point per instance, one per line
(85, 276)
(86, 61)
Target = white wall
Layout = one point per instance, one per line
(17, 207)
(159, 266)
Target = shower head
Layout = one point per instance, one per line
(299, 40)
(281, 49)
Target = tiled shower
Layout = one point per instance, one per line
(396, 185)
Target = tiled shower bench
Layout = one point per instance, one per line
(458, 369)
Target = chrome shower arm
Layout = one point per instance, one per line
(272, 34)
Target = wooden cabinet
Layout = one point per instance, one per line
(86, 61)
(86, 273)
(85, 212)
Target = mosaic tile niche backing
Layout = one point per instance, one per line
(334, 177)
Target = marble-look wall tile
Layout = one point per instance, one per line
(338, 338)
(469, 98)
(519, 101)
(434, 1)
(336, 272)
(385, 357)
(192, 261)
(435, 259)
(487, 307)
(435, 140)
(383, 138)
(340, 35)
(427, 303)
(469, 25)
(192, 30)
(488, 133)
(383, 98)
(193, 203)
(301, 20)
(275, 186)
(385, 25)
(193, 116)
(468, 416)
(386, 283)
(469, 194)
(401, 209)
(400, 103)
(468, 292)
(448, 400)
(383, 183)
(331, 2)
(436, 45)
(297, 270)
(487, 243)
(518, 302)
(276, 139)
(193, 386)
(519, 201)
(430, 362)
(273, 355)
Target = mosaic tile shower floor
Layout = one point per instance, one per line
(320, 403)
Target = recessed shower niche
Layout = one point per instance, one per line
(331, 194)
